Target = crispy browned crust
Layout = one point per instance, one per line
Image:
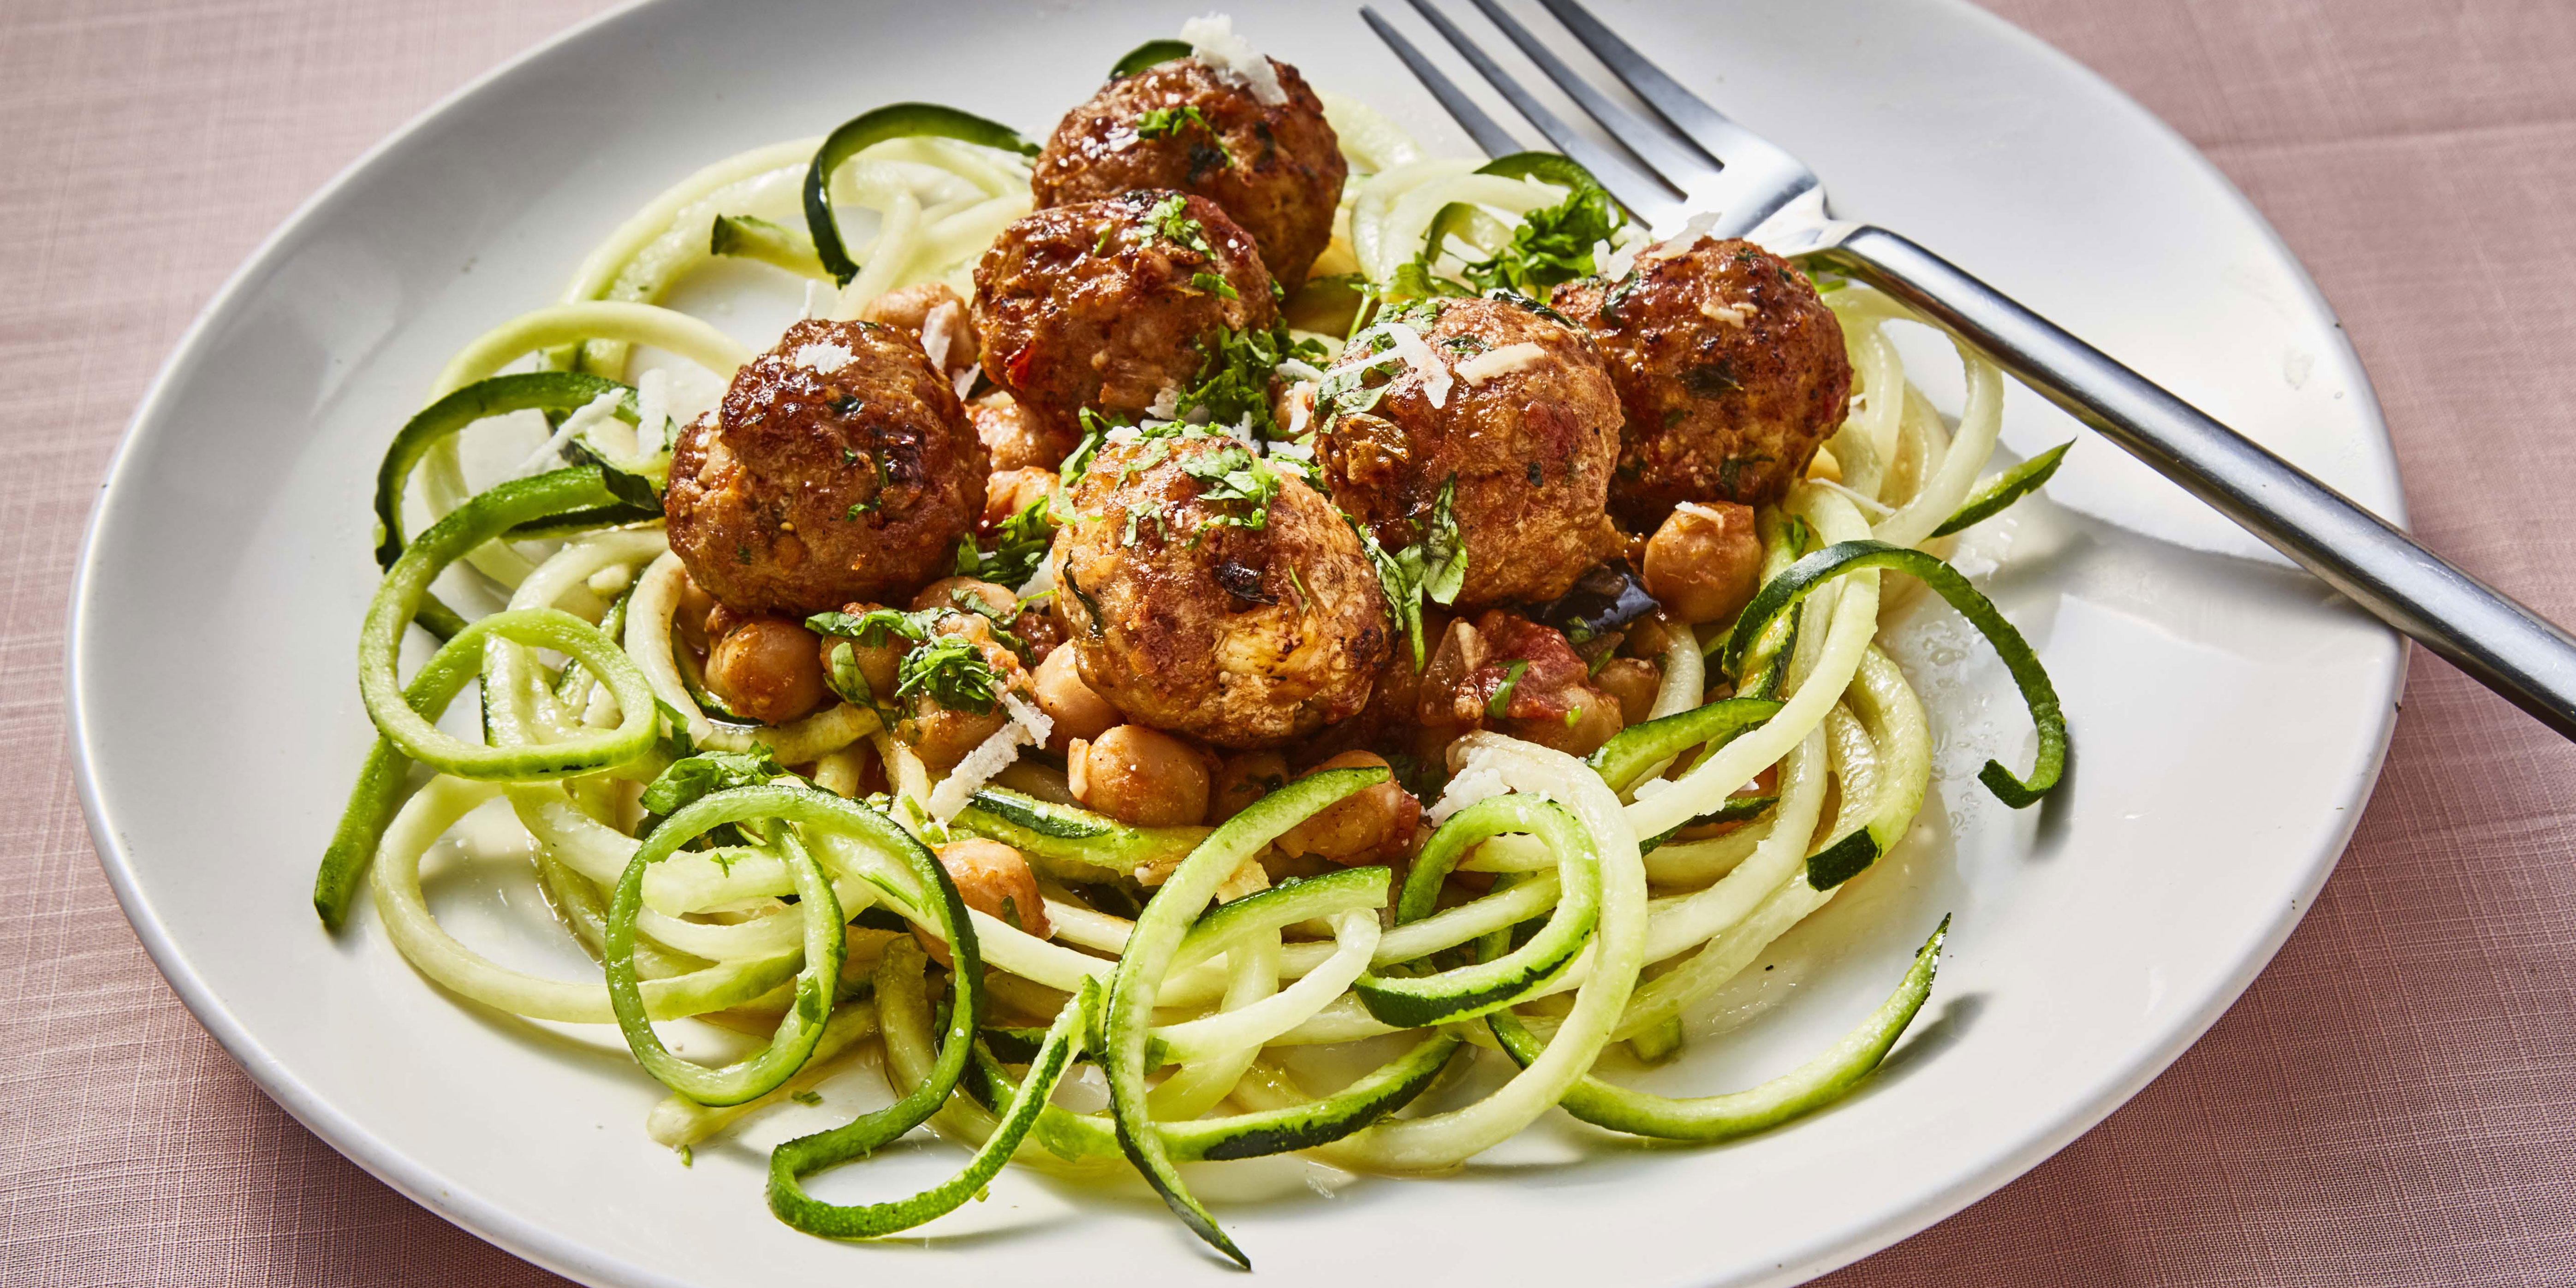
(1717, 411)
(762, 493)
(1531, 450)
(1242, 637)
(1088, 306)
(1277, 170)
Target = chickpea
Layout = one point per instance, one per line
(1705, 563)
(935, 316)
(1632, 683)
(876, 662)
(994, 880)
(1372, 825)
(767, 668)
(1649, 637)
(1007, 492)
(1012, 437)
(1595, 722)
(1078, 712)
(1243, 779)
(943, 594)
(1139, 775)
(942, 736)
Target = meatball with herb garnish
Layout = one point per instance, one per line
(1106, 306)
(1486, 417)
(1730, 367)
(1210, 592)
(840, 466)
(1263, 151)
(944, 673)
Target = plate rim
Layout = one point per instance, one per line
(530, 1240)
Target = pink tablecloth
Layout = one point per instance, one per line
(2393, 1102)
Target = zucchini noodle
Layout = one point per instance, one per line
(1558, 905)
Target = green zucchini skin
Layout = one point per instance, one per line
(556, 391)
(1151, 947)
(796, 1159)
(1072, 844)
(1382, 1091)
(1153, 53)
(1786, 590)
(1465, 992)
(746, 237)
(1704, 1119)
(825, 946)
(2004, 489)
(1637, 748)
(1292, 901)
(894, 121)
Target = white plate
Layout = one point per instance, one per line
(2229, 715)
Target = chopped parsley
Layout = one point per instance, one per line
(1433, 568)
(1019, 546)
(807, 1097)
(706, 773)
(1549, 247)
(1233, 379)
(1216, 285)
(1501, 702)
(1233, 475)
(872, 627)
(846, 681)
(1162, 121)
(1170, 218)
(952, 672)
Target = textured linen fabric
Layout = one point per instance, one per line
(2387, 1105)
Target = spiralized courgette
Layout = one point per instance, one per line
(763, 903)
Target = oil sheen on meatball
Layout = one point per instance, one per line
(1528, 427)
(1277, 169)
(1103, 305)
(1243, 622)
(839, 467)
(1731, 370)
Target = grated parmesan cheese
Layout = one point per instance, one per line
(1692, 234)
(825, 358)
(938, 329)
(1500, 362)
(1214, 44)
(1028, 727)
(966, 379)
(1730, 314)
(1407, 343)
(598, 411)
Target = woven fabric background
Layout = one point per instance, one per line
(2388, 1105)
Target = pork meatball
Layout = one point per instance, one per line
(1208, 592)
(1276, 168)
(1105, 305)
(1730, 368)
(840, 466)
(1525, 432)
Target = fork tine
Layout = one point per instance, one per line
(1493, 138)
(1707, 128)
(1646, 195)
(1677, 162)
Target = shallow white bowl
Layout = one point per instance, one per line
(2229, 715)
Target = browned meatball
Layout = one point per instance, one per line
(840, 466)
(1529, 429)
(1278, 170)
(1103, 305)
(1731, 369)
(1209, 593)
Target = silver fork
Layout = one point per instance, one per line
(1698, 160)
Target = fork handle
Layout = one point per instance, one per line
(2506, 646)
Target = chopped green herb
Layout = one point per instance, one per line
(1232, 474)
(1437, 562)
(807, 1098)
(1549, 247)
(1216, 285)
(1019, 546)
(1572, 715)
(846, 680)
(706, 773)
(1170, 218)
(1501, 702)
(1161, 121)
(952, 672)
(872, 627)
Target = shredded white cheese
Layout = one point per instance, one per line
(1301, 402)
(1474, 782)
(1692, 233)
(1166, 405)
(965, 381)
(1028, 727)
(1500, 362)
(1730, 314)
(591, 415)
(1299, 369)
(1407, 343)
(819, 300)
(825, 358)
(938, 329)
(1214, 44)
